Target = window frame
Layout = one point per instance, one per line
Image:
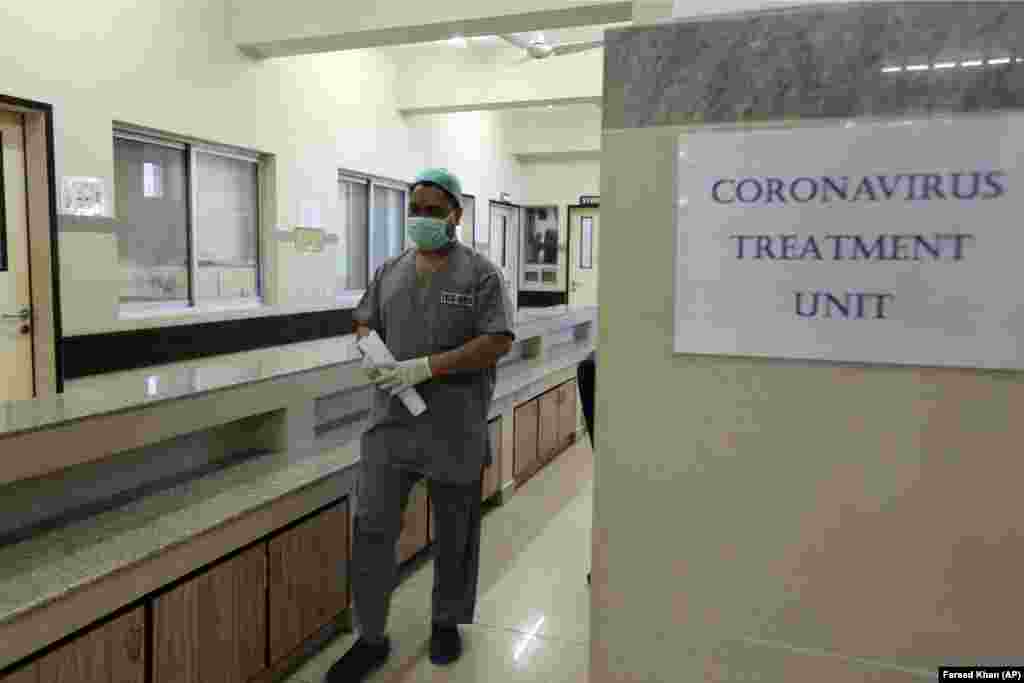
(192, 148)
(371, 182)
(472, 236)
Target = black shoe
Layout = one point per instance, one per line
(445, 645)
(359, 662)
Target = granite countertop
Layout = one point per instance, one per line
(38, 571)
(104, 395)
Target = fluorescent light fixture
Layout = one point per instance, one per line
(1000, 60)
(892, 69)
(945, 65)
(457, 41)
(918, 67)
(973, 62)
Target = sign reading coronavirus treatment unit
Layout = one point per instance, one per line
(868, 241)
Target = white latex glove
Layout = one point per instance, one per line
(367, 366)
(397, 377)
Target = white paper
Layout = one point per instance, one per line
(83, 196)
(827, 303)
(373, 346)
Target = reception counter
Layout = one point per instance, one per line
(127, 485)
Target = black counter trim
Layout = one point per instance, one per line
(542, 299)
(95, 354)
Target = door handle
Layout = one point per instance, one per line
(22, 315)
(133, 643)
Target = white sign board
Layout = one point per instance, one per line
(877, 242)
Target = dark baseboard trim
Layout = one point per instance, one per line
(95, 354)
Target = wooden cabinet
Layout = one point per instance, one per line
(308, 578)
(567, 419)
(213, 627)
(112, 653)
(414, 523)
(544, 427)
(550, 417)
(527, 426)
(29, 674)
(491, 482)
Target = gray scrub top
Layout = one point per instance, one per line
(449, 442)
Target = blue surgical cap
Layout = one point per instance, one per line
(444, 179)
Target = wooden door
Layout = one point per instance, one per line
(414, 523)
(15, 295)
(308, 578)
(328, 541)
(549, 425)
(492, 474)
(526, 424)
(567, 419)
(213, 627)
(112, 653)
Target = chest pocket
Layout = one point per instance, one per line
(456, 317)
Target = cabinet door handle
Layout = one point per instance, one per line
(133, 643)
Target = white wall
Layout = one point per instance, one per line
(491, 75)
(539, 130)
(171, 66)
(464, 142)
(561, 182)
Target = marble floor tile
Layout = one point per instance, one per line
(533, 610)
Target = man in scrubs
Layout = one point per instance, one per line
(443, 311)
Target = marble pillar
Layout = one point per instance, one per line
(779, 520)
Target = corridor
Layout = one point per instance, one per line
(533, 612)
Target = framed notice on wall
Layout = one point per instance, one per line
(865, 241)
(3, 211)
(587, 242)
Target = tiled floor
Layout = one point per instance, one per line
(533, 610)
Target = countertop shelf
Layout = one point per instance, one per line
(109, 395)
(44, 569)
(525, 374)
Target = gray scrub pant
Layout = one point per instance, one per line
(383, 494)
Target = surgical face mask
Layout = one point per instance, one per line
(428, 233)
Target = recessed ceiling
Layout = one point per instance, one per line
(561, 36)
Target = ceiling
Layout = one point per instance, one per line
(561, 36)
(578, 34)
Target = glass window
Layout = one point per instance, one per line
(354, 200)
(152, 221)
(179, 207)
(467, 231)
(373, 216)
(387, 229)
(226, 233)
